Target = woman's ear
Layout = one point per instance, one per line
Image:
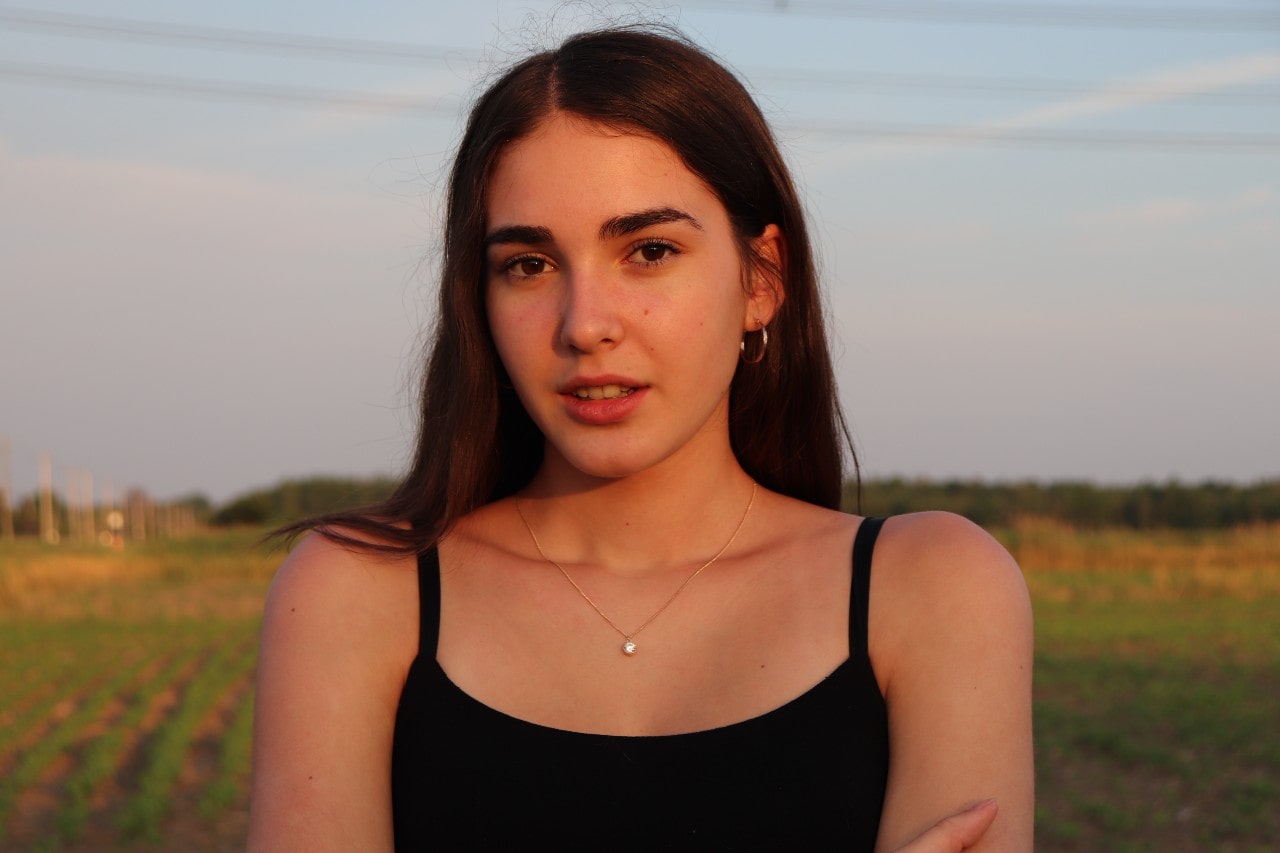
(766, 292)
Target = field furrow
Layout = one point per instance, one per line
(230, 783)
(218, 765)
(30, 776)
(166, 751)
(103, 756)
(54, 704)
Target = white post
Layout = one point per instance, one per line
(48, 524)
(86, 495)
(71, 500)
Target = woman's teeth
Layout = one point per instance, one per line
(602, 392)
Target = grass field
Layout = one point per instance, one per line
(126, 690)
(1157, 688)
(126, 699)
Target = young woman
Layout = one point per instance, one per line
(613, 602)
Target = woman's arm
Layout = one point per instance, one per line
(951, 641)
(331, 665)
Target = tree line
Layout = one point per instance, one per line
(295, 499)
(1143, 506)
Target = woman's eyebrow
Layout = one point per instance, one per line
(533, 235)
(617, 226)
(620, 226)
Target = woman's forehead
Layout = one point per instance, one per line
(570, 167)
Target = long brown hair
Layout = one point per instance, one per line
(475, 442)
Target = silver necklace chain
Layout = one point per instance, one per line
(629, 646)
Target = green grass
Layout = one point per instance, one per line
(61, 736)
(67, 668)
(103, 755)
(1156, 719)
(110, 664)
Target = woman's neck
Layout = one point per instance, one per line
(663, 518)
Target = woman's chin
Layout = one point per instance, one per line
(597, 467)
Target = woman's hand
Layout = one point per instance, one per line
(956, 832)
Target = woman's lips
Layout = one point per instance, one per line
(598, 405)
(602, 392)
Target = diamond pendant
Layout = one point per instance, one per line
(628, 648)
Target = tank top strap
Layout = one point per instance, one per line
(428, 603)
(864, 543)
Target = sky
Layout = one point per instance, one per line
(1049, 232)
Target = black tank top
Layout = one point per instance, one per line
(810, 774)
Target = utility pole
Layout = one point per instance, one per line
(112, 517)
(72, 502)
(86, 494)
(137, 503)
(48, 524)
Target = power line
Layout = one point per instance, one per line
(932, 84)
(97, 27)
(369, 101)
(1022, 137)
(1197, 18)
(153, 84)
(292, 44)
(221, 38)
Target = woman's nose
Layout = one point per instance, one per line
(591, 318)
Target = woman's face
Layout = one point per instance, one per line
(616, 296)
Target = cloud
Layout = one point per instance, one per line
(1155, 212)
(1254, 198)
(1152, 87)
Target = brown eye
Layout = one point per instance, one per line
(526, 266)
(653, 253)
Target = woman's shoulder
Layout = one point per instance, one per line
(946, 546)
(322, 565)
(339, 593)
(939, 580)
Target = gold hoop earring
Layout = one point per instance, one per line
(759, 355)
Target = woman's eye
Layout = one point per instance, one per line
(653, 253)
(527, 266)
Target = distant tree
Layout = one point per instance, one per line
(199, 505)
(294, 499)
(1144, 506)
(252, 509)
(26, 515)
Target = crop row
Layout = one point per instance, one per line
(110, 731)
